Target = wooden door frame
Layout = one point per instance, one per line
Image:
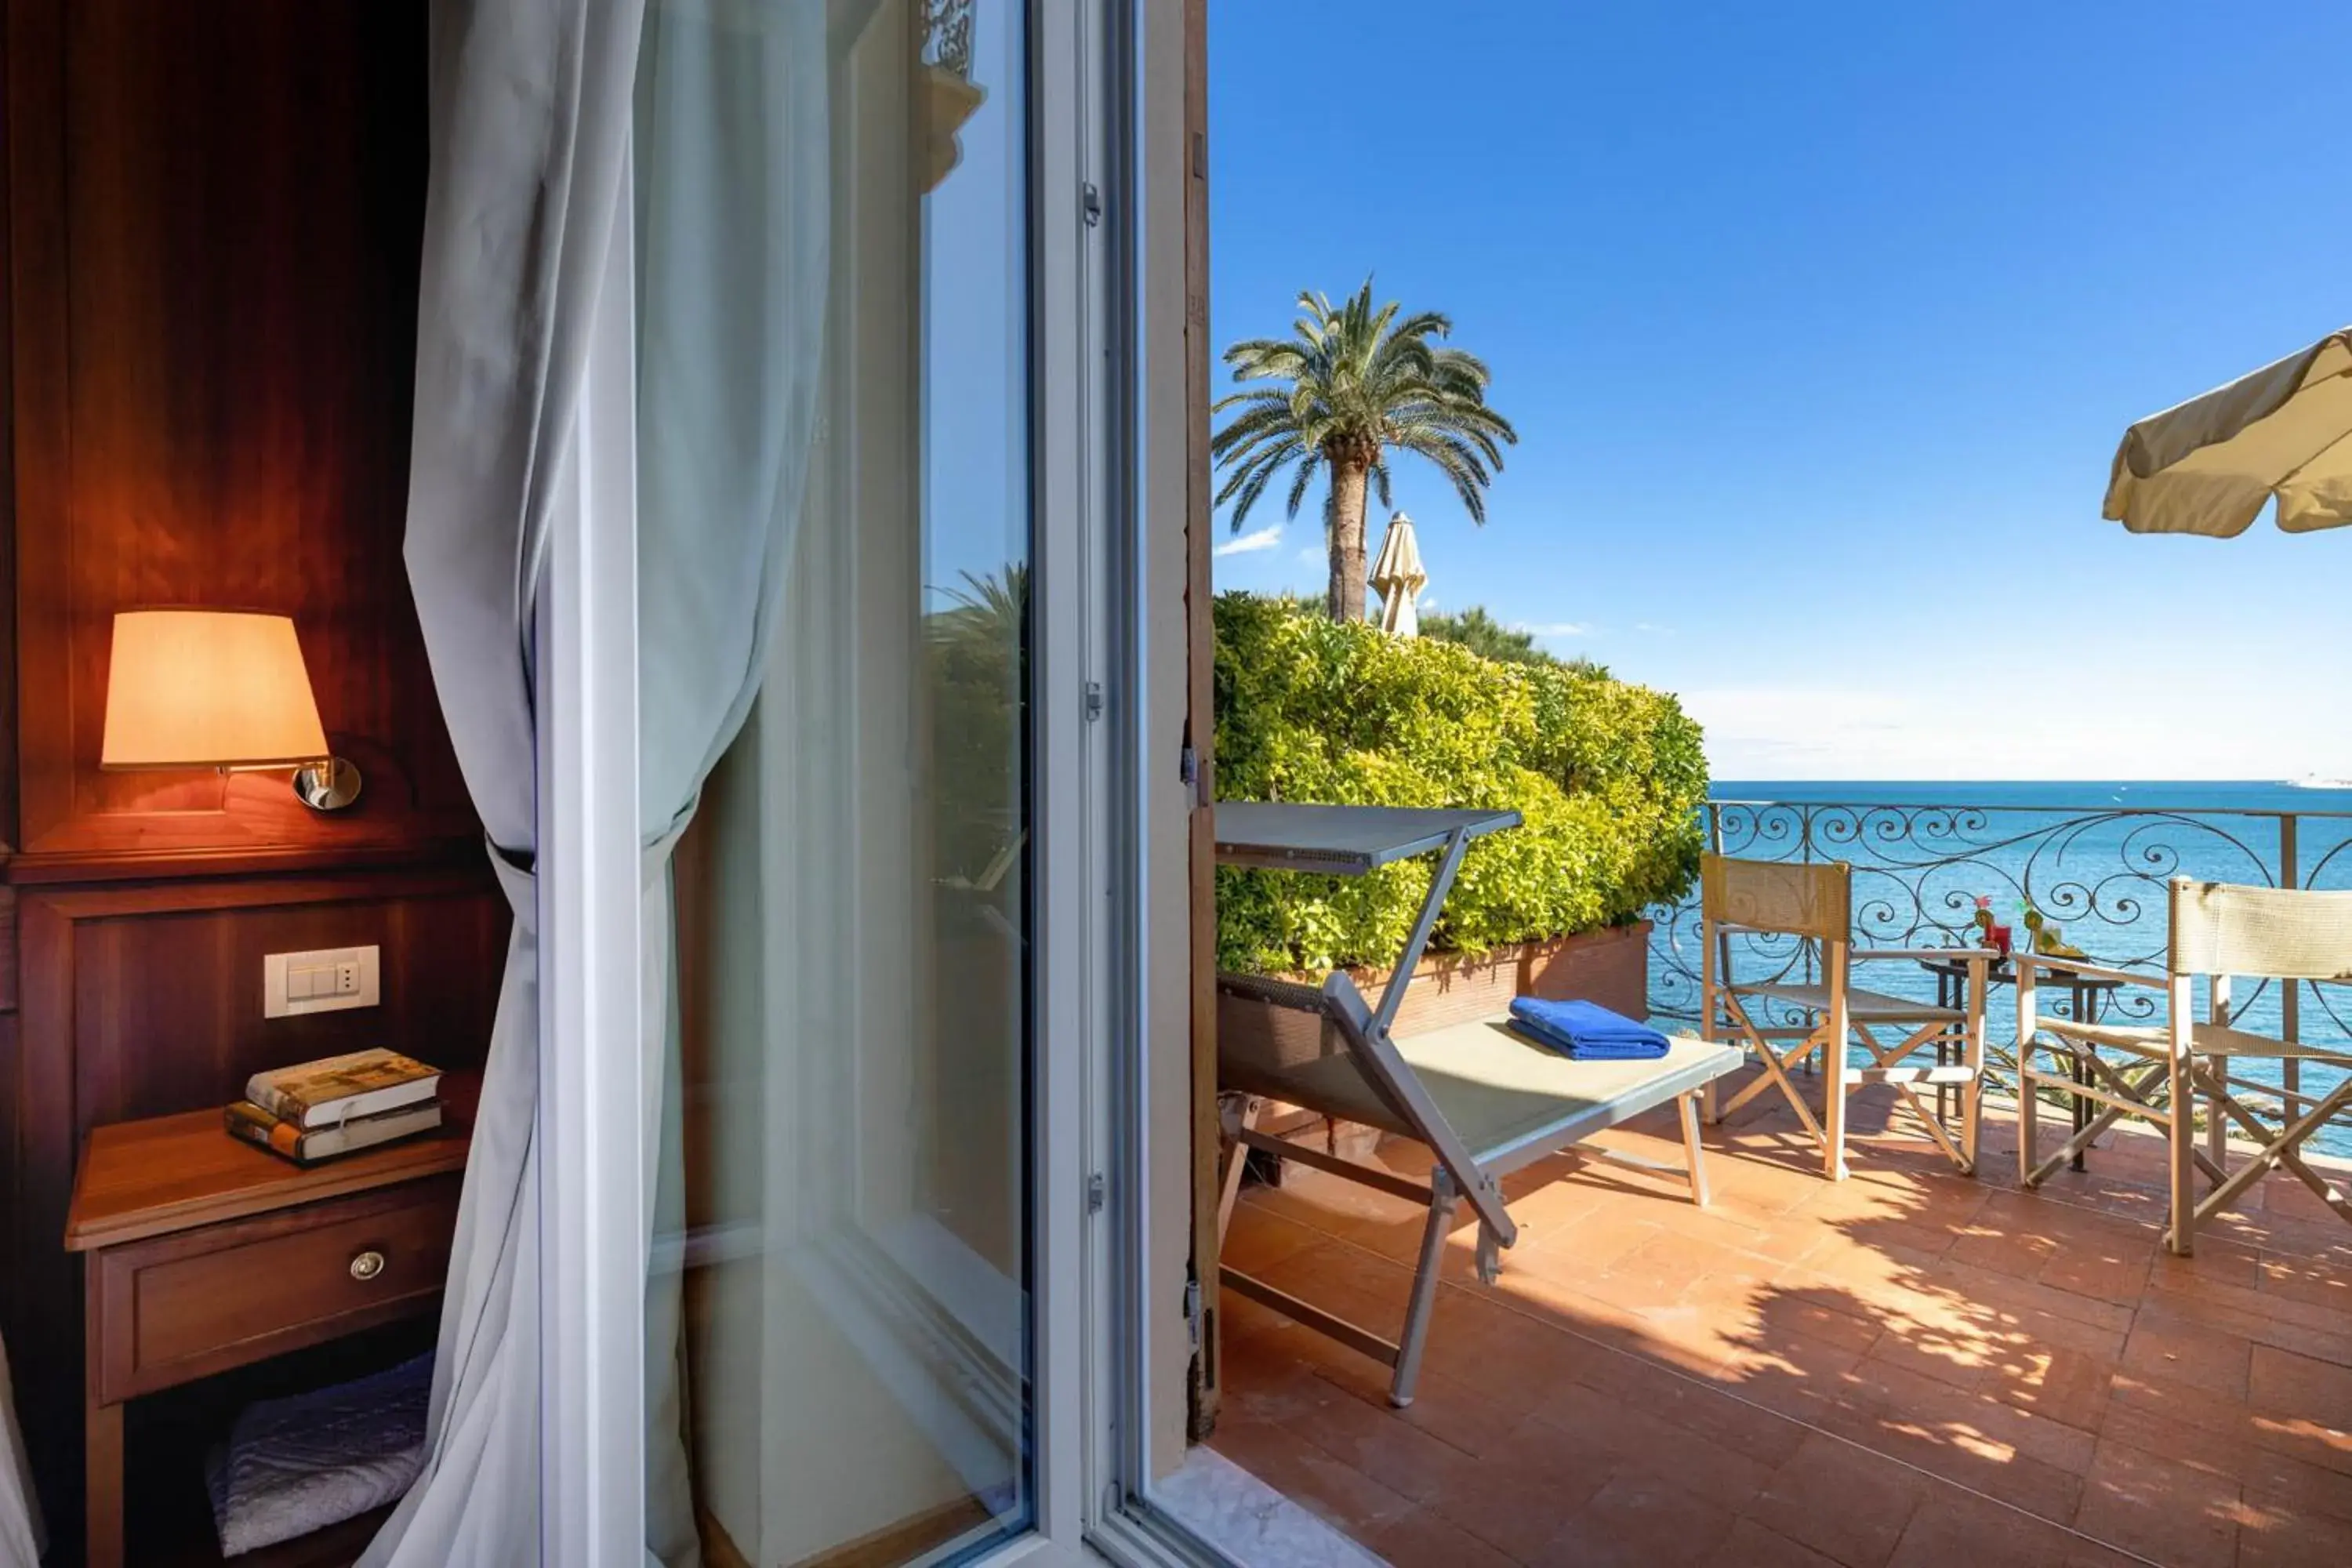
(1199, 628)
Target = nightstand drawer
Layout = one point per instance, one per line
(203, 1300)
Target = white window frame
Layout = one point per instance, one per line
(590, 1203)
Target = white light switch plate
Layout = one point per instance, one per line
(322, 981)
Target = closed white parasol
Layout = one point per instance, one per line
(2212, 464)
(1398, 578)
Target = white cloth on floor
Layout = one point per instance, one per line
(20, 1515)
(296, 1464)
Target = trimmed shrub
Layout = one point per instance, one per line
(1608, 776)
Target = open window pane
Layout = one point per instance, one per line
(848, 1198)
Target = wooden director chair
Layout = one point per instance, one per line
(2218, 930)
(1812, 903)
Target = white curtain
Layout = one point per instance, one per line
(532, 124)
(529, 117)
(20, 1513)
(732, 193)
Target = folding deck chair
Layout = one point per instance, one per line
(1483, 1099)
(2218, 930)
(1812, 901)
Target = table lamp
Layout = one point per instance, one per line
(218, 688)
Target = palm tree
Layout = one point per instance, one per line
(1360, 384)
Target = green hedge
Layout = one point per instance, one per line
(1609, 777)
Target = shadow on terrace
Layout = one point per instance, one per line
(1911, 1367)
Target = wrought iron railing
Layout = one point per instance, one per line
(2098, 873)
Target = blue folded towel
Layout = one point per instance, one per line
(1586, 1031)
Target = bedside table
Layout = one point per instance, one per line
(203, 1253)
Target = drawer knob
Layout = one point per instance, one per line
(367, 1265)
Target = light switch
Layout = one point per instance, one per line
(319, 982)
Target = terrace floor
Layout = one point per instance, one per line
(1908, 1368)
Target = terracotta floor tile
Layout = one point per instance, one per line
(2283, 1383)
(1750, 1545)
(1847, 1504)
(2215, 1260)
(1702, 1407)
(2302, 1440)
(1953, 1529)
(2115, 1273)
(2159, 1507)
(2218, 1442)
(1400, 1456)
(2277, 1483)
(1639, 1521)
(1598, 1241)
(2286, 1539)
(1424, 1539)
(2285, 1197)
(2085, 1322)
(2211, 1359)
(2003, 1252)
(2305, 1280)
(2057, 1384)
(1828, 1372)
(2265, 1317)
(1700, 1462)
(1262, 1237)
(1517, 1499)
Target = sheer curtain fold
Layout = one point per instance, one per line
(20, 1512)
(529, 119)
(532, 115)
(732, 198)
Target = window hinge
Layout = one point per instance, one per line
(1093, 700)
(1188, 765)
(1095, 1191)
(1090, 203)
(1192, 1312)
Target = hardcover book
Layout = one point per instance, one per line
(249, 1122)
(338, 1089)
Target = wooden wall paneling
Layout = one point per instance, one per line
(44, 1338)
(8, 542)
(146, 1000)
(35, 46)
(215, 331)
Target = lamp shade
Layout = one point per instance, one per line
(190, 689)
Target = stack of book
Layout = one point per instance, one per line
(336, 1105)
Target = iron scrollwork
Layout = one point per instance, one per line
(2100, 874)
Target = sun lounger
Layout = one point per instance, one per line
(1484, 1098)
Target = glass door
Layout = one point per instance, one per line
(845, 1193)
(828, 959)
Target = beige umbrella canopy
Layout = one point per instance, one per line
(1398, 578)
(2211, 465)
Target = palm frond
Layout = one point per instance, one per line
(1354, 382)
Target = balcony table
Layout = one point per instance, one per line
(2087, 997)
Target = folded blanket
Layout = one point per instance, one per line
(1586, 1031)
(293, 1466)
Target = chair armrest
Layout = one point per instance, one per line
(1926, 954)
(2064, 966)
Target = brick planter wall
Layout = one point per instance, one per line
(1610, 967)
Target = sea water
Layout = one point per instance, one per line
(2093, 857)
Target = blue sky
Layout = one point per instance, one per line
(1820, 324)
